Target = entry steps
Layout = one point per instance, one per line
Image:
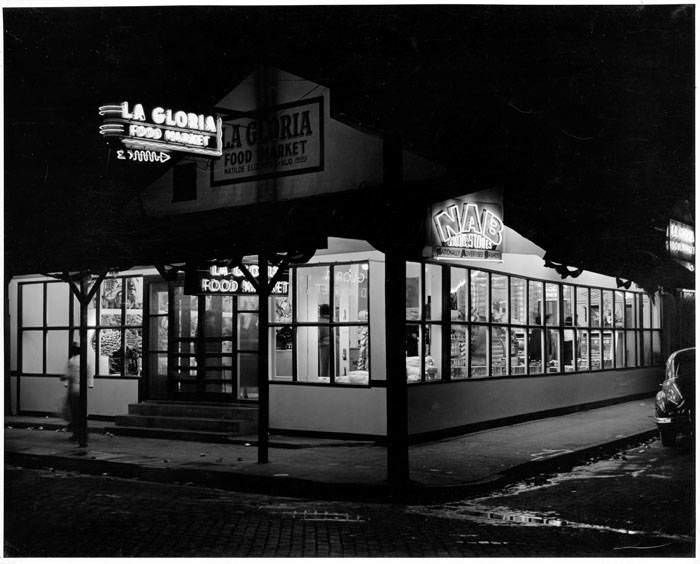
(186, 421)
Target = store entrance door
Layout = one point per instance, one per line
(212, 347)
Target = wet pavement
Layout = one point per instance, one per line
(643, 492)
(462, 465)
(637, 502)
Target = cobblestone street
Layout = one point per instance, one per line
(54, 513)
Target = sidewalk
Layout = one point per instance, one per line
(324, 468)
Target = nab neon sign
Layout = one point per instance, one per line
(162, 129)
(463, 228)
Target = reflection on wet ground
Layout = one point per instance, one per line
(645, 490)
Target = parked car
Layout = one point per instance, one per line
(675, 402)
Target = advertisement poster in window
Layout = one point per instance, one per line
(469, 227)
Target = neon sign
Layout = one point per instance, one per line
(224, 280)
(680, 243)
(167, 130)
(467, 228)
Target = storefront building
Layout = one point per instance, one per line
(491, 333)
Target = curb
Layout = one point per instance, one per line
(413, 493)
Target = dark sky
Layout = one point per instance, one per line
(583, 115)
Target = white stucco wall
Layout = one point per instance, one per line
(441, 406)
(332, 409)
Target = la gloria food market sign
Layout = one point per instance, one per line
(151, 136)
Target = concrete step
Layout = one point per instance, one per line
(177, 434)
(231, 426)
(204, 410)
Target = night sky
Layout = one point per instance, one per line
(584, 116)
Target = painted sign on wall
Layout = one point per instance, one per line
(217, 280)
(680, 243)
(162, 129)
(286, 140)
(468, 227)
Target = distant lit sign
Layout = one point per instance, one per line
(224, 280)
(286, 140)
(680, 243)
(466, 228)
(167, 130)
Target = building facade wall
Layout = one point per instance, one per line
(455, 404)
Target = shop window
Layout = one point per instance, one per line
(459, 352)
(517, 301)
(518, 342)
(499, 299)
(567, 350)
(57, 304)
(631, 310)
(607, 350)
(568, 304)
(478, 296)
(335, 348)
(459, 278)
(413, 353)
(619, 349)
(646, 311)
(534, 351)
(582, 308)
(619, 309)
(185, 182)
(282, 341)
(607, 308)
(313, 294)
(32, 305)
(596, 359)
(433, 352)
(535, 303)
(116, 328)
(499, 351)
(595, 307)
(33, 352)
(551, 314)
(656, 348)
(656, 312)
(552, 350)
(433, 292)
(413, 291)
(631, 349)
(313, 354)
(478, 345)
(582, 350)
(646, 348)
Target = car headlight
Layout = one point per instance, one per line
(672, 392)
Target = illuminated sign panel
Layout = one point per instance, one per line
(161, 130)
(680, 243)
(286, 140)
(219, 280)
(470, 227)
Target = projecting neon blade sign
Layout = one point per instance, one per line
(469, 227)
(166, 131)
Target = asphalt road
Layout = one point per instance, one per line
(639, 502)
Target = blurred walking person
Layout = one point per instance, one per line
(71, 411)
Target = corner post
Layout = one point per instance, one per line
(263, 381)
(82, 427)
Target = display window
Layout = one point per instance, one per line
(499, 298)
(530, 327)
(607, 317)
(619, 309)
(582, 353)
(314, 343)
(518, 301)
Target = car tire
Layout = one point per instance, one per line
(668, 437)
